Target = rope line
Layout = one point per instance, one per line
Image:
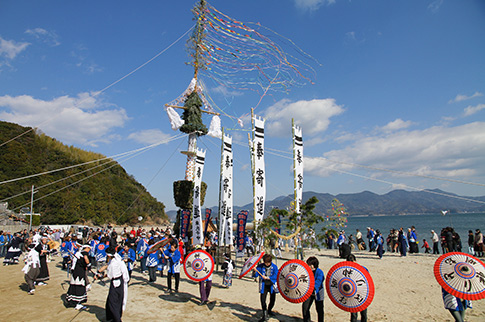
(150, 182)
(405, 173)
(175, 137)
(56, 115)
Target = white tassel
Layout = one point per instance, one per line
(215, 127)
(175, 119)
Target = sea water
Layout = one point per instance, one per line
(424, 223)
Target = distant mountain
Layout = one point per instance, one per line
(368, 203)
(92, 188)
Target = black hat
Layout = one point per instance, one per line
(110, 251)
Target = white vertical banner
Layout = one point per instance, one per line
(298, 166)
(226, 190)
(259, 169)
(197, 233)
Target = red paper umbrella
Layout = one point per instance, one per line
(158, 245)
(461, 275)
(198, 265)
(295, 281)
(250, 264)
(350, 286)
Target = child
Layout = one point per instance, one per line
(426, 247)
(268, 272)
(228, 266)
(172, 255)
(152, 262)
(363, 314)
(318, 292)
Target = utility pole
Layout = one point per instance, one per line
(31, 207)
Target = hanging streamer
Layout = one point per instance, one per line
(208, 213)
(226, 198)
(298, 166)
(175, 120)
(242, 218)
(184, 224)
(215, 130)
(259, 175)
(197, 234)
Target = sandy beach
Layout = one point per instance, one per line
(405, 290)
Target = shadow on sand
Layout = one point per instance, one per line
(246, 313)
(99, 312)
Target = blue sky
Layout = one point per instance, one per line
(400, 87)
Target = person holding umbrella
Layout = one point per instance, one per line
(363, 314)
(460, 276)
(268, 273)
(172, 255)
(318, 293)
(456, 306)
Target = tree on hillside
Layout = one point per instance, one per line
(95, 190)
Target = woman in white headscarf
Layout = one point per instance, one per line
(77, 292)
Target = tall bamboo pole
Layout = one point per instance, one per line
(220, 226)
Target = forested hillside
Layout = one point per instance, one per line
(99, 191)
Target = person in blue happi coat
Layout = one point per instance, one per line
(268, 272)
(318, 293)
(172, 255)
(128, 256)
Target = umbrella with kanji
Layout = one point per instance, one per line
(159, 244)
(198, 265)
(295, 281)
(250, 264)
(462, 275)
(350, 286)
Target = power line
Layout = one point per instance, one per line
(56, 115)
(83, 179)
(175, 137)
(402, 172)
(150, 182)
(410, 187)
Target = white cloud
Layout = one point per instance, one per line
(461, 97)
(470, 110)
(312, 5)
(351, 35)
(82, 120)
(435, 6)
(81, 55)
(395, 125)
(314, 141)
(9, 49)
(49, 37)
(226, 91)
(313, 116)
(451, 152)
(151, 136)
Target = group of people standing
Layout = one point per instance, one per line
(404, 241)
(267, 273)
